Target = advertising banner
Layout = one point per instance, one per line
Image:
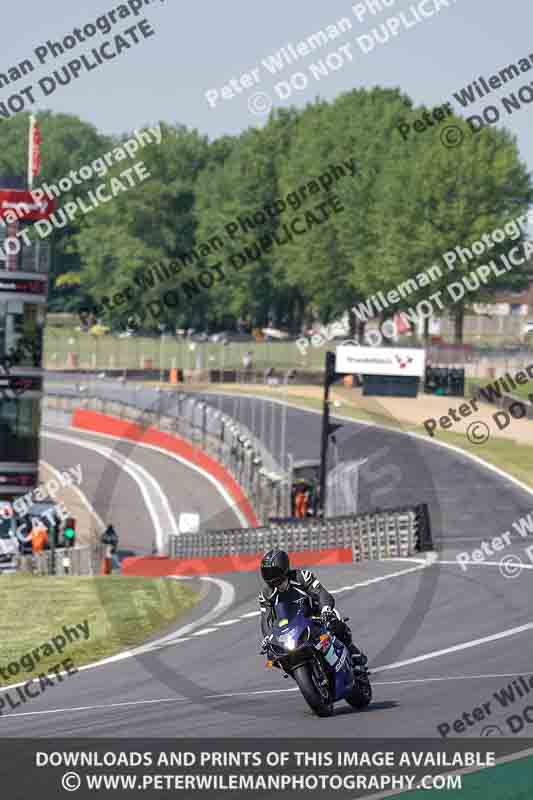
(22, 383)
(23, 204)
(23, 286)
(407, 361)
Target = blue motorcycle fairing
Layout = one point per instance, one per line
(291, 622)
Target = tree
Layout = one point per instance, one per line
(437, 199)
(148, 225)
(240, 189)
(68, 143)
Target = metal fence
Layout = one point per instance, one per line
(384, 534)
(76, 561)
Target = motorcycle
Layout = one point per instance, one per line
(304, 649)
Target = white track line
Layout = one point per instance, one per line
(229, 695)
(382, 578)
(228, 499)
(204, 632)
(500, 472)
(139, 474)
(80, 494)
(361, 585)
(482, 564)
(457, 647)
(227, 596)
(449, 678)
(225, 601)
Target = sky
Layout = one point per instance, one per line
(199, 47)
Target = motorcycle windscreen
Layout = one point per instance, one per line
(289, 610)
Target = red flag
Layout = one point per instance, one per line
(34, 151)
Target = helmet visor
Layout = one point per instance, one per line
(273, 575)
(275, 582)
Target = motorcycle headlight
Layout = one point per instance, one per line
(291, 644)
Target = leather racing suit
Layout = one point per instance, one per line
(305, 583)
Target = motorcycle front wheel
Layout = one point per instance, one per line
(361, 694)
(317, 697)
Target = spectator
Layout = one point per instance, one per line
(110, 539)
(39, 537)
(300, 504)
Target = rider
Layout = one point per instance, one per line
(280, 579)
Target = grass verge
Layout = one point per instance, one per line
(120, 612)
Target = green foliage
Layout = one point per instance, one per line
(409, 202)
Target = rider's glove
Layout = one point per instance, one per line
(328, 615)
(265, 643)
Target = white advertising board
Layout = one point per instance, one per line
(380, 360)
(189, 522)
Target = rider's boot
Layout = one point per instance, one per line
(359, 660)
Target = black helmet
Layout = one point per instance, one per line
(275, 567)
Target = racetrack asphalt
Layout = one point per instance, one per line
(464, 635)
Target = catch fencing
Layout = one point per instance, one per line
(384, 534)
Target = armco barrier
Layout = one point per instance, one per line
(382, 534)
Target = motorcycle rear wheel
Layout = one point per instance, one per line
(361, 695)
(307, 683)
